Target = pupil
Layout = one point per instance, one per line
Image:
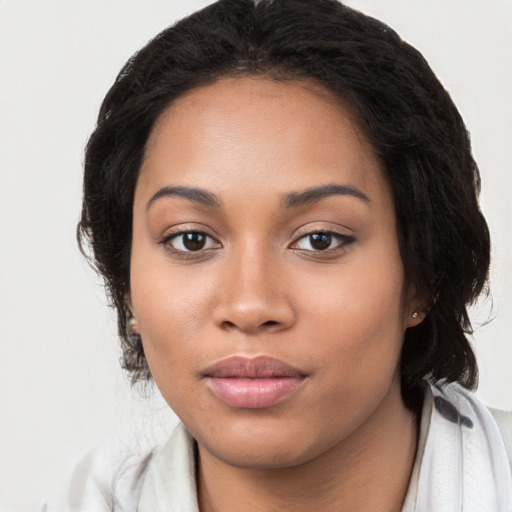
(320, 241)
(194, 241)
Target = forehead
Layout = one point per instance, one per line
(292, 134)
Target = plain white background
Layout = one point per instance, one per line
(61, 390)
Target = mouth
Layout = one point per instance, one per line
(253, 383)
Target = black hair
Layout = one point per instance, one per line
(405, 112)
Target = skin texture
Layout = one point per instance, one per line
(343, 440)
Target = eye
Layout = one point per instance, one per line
(190, 241)
(322, 241)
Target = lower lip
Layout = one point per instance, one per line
(255, 393)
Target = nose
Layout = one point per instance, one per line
(253, 297)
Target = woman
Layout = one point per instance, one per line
(282, 201)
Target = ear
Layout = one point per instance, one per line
(415, 316)
(133, 324)
(416, 309)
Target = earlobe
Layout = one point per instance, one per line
(416, 311)
(417, 316)
(133, 324)
(414, 319)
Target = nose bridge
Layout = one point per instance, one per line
(251, 267)
(252, 294)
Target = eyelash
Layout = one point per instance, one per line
(342, 239)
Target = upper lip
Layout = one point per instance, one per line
(257, 367)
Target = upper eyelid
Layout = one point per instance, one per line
(170, 236)
(180, 229)
(308, 230)
(335, 234)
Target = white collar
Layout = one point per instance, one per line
(463, 465)
(170, 483)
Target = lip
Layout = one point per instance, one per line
(253, 383)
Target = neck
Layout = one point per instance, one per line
(369, 470)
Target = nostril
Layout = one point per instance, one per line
(228, 325)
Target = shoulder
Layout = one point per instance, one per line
(461, 454)
(458, 404)
(108, 478)
(504, 421)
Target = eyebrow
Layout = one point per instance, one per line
(292, 200)
(314, 194)
(197, 195)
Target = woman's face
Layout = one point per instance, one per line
(266, 277)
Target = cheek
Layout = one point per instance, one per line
(358, 315)
(169, 304)
(168, 315)
(170, 329)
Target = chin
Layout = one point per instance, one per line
(254, 444)
(262, 456)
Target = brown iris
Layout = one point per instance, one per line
(320, 241)
(194, 241)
